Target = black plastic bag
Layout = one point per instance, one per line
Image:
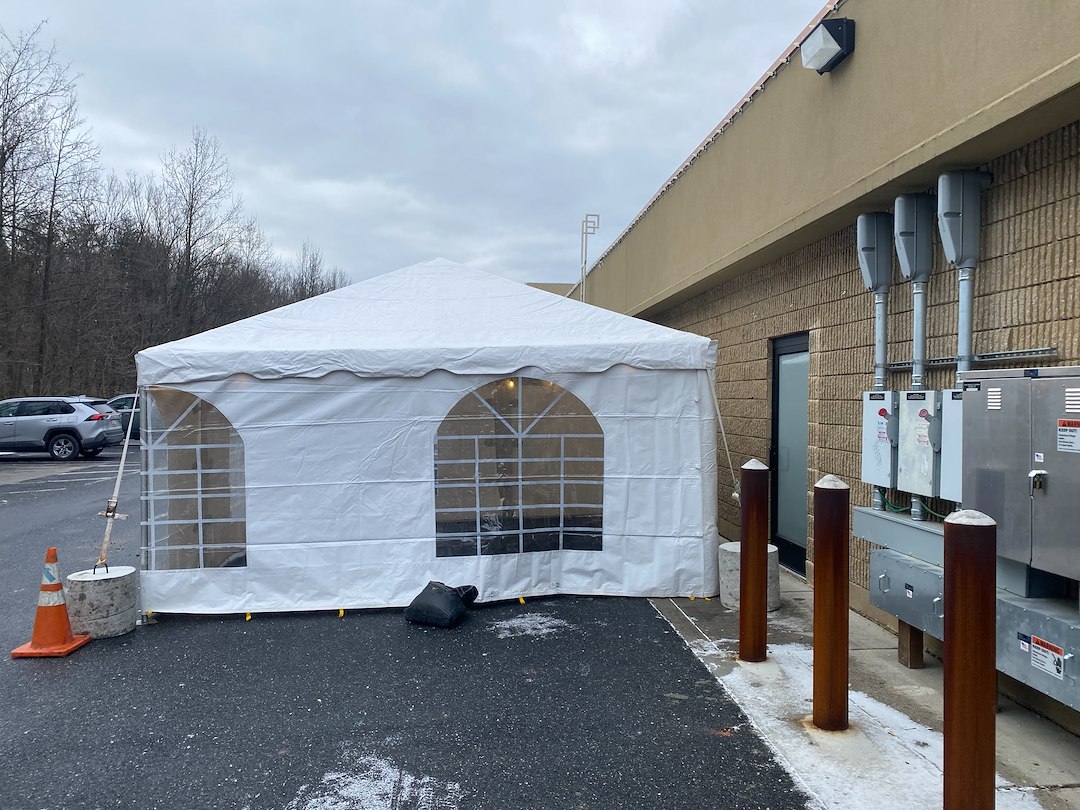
(468, 594)
(437, 605)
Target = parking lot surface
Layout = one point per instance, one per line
(558, 703)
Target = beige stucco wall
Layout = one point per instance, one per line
(931, 86)
(555, 289)
(1027, 295)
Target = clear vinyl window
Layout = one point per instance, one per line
(519, 467)
(193, 484)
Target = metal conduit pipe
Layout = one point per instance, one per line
(914, 224)
(918, 338)
(918, 368)
(881, 339)
(881, 366)
(960, 224)
(872, 234)
(964, 327)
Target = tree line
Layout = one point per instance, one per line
(94, 266)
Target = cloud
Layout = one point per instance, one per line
(390, 133)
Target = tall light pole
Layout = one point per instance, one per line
(589, 226)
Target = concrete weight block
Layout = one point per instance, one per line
(729, 576)
(103, 604)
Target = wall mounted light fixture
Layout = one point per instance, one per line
(828, 45)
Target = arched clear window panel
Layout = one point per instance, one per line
(519, 467)
(193, 510)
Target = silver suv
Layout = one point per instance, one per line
(62, 426)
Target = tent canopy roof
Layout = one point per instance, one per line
(433, 315)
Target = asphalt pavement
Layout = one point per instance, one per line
(49, 503)
(557, 703)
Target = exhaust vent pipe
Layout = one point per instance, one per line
(960, 221)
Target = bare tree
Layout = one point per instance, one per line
(31, 84)
(71, 168)
(94, 269)
(207, 216)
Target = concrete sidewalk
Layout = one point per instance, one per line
(891, 756)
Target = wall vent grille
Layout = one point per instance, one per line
(993, 399)
(1072, 400)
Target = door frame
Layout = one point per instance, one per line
(792, 555)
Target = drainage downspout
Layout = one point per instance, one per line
(875, 260)
(914, 222)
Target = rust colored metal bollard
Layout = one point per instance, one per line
(970, 666)
(832, 499)
(753, 560)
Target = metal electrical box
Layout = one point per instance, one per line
(1022, 462)
(952, 446)
(1038, 643)
(879, 436)
(908, 588)
(918, 461)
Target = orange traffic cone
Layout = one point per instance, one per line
(52, 629)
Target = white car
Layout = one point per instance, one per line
(128, 407)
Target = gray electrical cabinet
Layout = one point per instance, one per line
(879, 430)
(1022, 462)
(951, 484)
(918, 463)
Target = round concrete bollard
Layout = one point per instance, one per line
(729, 576)
(102, 604)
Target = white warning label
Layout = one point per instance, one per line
(922, 434)
(1050, 658)
(1068, 436)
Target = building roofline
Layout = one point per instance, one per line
(756, 88)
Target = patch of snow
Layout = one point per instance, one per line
(368, 782)
(529, 624)
(791, 624)
(885, 760)
(708, 650)
(969, 517)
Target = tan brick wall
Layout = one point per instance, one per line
(1027, 296)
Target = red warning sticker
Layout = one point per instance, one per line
(1048, 657)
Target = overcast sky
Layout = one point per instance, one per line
(392, 132)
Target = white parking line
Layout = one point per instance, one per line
(90, 477)
(32, 491)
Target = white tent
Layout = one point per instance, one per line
(436, 422)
